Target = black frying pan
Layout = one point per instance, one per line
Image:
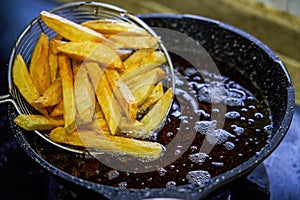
(266, 70)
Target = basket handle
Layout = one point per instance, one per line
(7, 99)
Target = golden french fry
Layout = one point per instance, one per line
(111, 26)
(84, 96)
(137, 57)
(158, 112)
(53, 62)
(66, 76)
(130, 127)
(109, 105)
(51, 96)
(37, 122)
(53, 66)
(92, 51)
(69, 29)
(39, 64)
(54, 43)
(122, 93)
(58, 110)
(153, 97)
(108, 143)
(24, 83)
(133, 41)
(155, 59)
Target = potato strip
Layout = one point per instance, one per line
(39, 64)
(108, 143)
(69, 29)
(66, 76)
(99, 52)
(37, 122)
(109, 105)
(24, 83)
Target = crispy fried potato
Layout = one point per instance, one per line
(53, 66)
(153, 97)
(53, 62)
(158, 112)
(69, 29)
(109, 105)
(155, 59)
(108, 143)
(66, 76)
(84, 96)
(58, 110)
(39, 64)
(54, 43)
(135, 42)
(51, 97)
(99, 52)
(37, 122)
(111, 26)
(24, 83)
(137, 57)
(122, 93)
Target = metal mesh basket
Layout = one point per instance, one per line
(77, 12)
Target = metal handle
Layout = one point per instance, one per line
(6, 99)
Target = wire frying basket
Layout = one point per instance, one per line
(77, 12)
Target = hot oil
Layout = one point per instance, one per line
(202, 149)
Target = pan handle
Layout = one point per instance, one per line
(7, 99)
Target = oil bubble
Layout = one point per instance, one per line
(122, 185)
(198, 158)
(171, 184)
(162, 172)
(205, 127)
(237, 129)
(229, 145)
(112, 174)
(258, 115)
(198, 176)
(218, 164)
(232, 115)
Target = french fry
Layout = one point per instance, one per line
(54, 43)
(51, 97)
(84, 96)
(53, 62)
(99, 52)
(155, 59)
(133, 41)
(111, 26)
(24, 83)
(153, 97)
(39, 64)
(158, 112)
(123, 94)
(69, 29)
(137, 57)
(68, 92)
(37, 122)
(108, 143)
(109, 105)
(138, 81)
(58, 110)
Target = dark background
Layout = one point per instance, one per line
(21, 178)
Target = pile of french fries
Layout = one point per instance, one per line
(96, 85)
